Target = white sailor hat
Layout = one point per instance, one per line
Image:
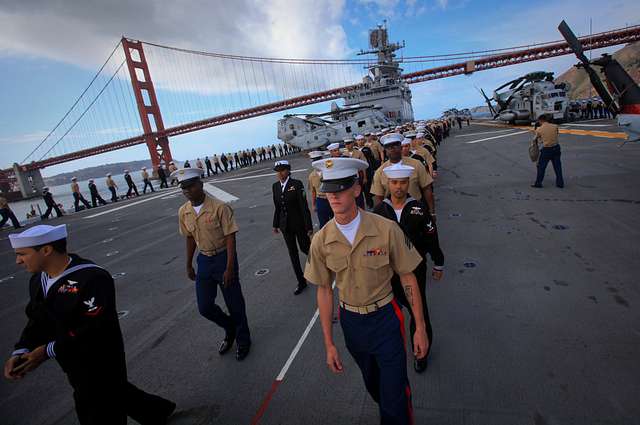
(143, 168)
(281, 165)
(38, 235)
(45, 189)
(398, 127)
(359, 137)
(419, 135)
(406, 142)
(333, 146)
(349, 140)
(391, 138)
(126, 171)
(379, 133)
(316, 155)
(420, 128)
(186, 176)
(410, 134)
(90, 180)
(398, 171)
(108, 174)
(74, 178)
(338, 174)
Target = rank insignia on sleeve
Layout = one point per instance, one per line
(92, 309)
(416, 211)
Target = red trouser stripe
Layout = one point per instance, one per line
(410, 405)
(398, 311)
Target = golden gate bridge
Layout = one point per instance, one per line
(120, 107)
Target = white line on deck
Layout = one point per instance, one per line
(484, 132)
(587, 125)
(253, 177)
(129, 205)
(219, 193)
(497, 137)
(301, 341)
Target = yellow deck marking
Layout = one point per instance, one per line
(576, 132)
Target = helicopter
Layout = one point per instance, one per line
(621, 95)
(524, 99)
(310, 131)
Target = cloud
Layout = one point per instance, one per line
(189, 87)
(82, 32)
(26, 138)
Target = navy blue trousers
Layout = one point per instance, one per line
(208, 278)
(550, 154)
(324, 211)
(376, 342)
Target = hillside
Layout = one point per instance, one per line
(629, 58)
(97, 172)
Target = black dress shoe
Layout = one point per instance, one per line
(420, 365)
(536, 185)
(166, 411)
(299, 289)
(226, 343)
(242, 351)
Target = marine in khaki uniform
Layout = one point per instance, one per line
(77, 196)
(112, 186)
(145, 179)
(376, 148)
(352, 152)
(547, 133)
(419, 182)
(319, 203)
(361, 251)
(208, 225)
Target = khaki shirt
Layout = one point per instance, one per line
(355, 153)
(314, 183)
(110, 182)
(548, 134)
(3, 203)
(363, 271)
(376, 149)
(75, 188)
(418, 180)
(145, 175)
(210, 227)
(423, 152)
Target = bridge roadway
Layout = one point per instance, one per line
(536, 320)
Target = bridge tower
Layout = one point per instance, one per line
(147, 103)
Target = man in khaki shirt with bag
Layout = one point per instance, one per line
(361, 251)
(208, 225)
(547, 133)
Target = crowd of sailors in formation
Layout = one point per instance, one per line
(374, 201)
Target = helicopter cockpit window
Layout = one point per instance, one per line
(290, 126)
(362, 123)
(348, 129)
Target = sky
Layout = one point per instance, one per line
(50, 51)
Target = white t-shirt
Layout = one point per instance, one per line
(398, 213)
(198, 208)
(349, 230)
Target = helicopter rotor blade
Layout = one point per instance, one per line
(595, 79)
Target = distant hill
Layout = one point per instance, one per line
(99, 171)
(629, 58)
